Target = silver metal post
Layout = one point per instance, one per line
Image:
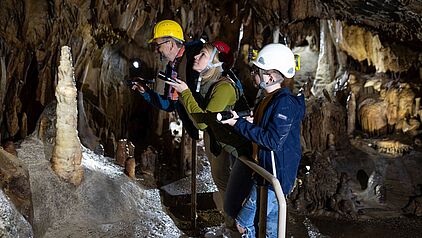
(282, 206)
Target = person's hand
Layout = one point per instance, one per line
(179, 86)
(232, 120)
(250, 117)
(138, 87)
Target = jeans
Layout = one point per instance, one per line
(238, 187)
(247, 214)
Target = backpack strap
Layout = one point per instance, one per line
(223, 79)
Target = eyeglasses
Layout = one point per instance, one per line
(157, 46)
(255, 70)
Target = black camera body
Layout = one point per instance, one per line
(161, 75)
(225, 115)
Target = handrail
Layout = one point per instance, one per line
(282, 206)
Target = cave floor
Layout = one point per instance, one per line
(382, 220)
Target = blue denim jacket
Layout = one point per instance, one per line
(278, 131)
(162, 102)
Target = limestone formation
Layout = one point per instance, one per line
(392, 147)
(67, 153)
(14, 181)
(121, 152)
(130, 167)
(125, 150)
(351, 113)
(372, 116)
(417, 107)
(364, 45)
(148, 161)
(405, 104)
(325, 71)
(387, 106)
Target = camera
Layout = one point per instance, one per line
(221, 116)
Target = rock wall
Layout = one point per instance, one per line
(104, 35)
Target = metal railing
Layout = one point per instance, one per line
(282, 206)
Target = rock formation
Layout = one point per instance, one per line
(14, 181)
(67, 153)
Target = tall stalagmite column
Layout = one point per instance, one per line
(67, 153)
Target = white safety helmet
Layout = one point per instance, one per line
(276, 56)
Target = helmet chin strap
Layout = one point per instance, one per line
(210, 65)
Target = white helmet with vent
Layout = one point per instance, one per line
(276, 56)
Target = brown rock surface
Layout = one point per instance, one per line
(14, 181)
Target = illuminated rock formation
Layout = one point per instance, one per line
(392, 147)
(351, 113)
(67, 154)
(387, 107)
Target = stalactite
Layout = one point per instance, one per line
(276, 34)
(67, 153)
(184, 17)
(325, 70)
(351, 113)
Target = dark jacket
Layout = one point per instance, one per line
(278, 131)
(187, 74)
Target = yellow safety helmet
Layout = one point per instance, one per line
(168, 28)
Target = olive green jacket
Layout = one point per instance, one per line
(222, 98)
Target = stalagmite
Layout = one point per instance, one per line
(67, 153)
(122, 152)
(130, 167)
(351, 113)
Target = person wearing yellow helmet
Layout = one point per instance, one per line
(169, 42)
(168, 28)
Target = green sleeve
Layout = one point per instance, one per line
(222, 96)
